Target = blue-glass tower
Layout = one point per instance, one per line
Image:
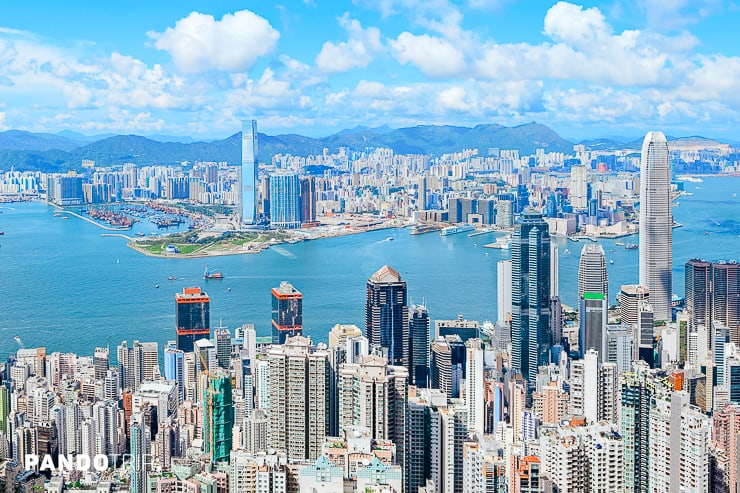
(531, 335)
(285, 201)
(248, 185)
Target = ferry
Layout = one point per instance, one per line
(630, 246)
(619, 243)
(212, 275)
(453, 230)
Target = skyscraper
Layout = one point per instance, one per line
(308, 200)
(578, 187)
(531, 337)
(387, 315)
(698, 275)
(419, 346)
(713, 295)
(593, 318)
(503, 291)
(592, 275)
(656, 224)
(192, 316)
(248, 177)
(287, 312)
(285, 201)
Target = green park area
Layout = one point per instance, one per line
(206, 243)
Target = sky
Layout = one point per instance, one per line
(314, 67)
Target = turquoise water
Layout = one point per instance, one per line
(66, 287)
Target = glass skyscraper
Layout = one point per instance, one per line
(285, 201)
(387, 315)
(531, 336)
(656, 224)
(248, 178)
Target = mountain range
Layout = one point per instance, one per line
(66, 150)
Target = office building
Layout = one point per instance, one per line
(218, 415)
(174, 368)
(593, 319)
(531, 337)
(656, 224)
(285, 201)
(698, 297)
(419, 346)
(592, 275)
(222, 338)
(248, 177)
(631, 297)
(298, 398)
(287, 312)
(387, 315)
(192, 316)
(308, 200)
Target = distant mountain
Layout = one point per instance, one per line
(59, 152)
(19, 140)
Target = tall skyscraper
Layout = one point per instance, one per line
(419, 346)
(248, 179)
(726, 297)
(192, 316)
(578, 187)
(475, 388)
(593, 318)
(503, 291)
(287, 312)
(656, 224)
(387, 315)
(592, 275)
(285, 201)
(531, 337)
(308, 199)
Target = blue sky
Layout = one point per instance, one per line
(314, 67)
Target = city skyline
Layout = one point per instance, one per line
(197, 69)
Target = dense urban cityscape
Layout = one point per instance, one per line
(631, 391)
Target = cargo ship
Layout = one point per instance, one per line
(453, 230)
(212, 275)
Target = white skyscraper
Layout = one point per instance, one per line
(656, 222)
(554, 265)
(503, 291)
(248, 178)
(578, 187)
(474, 387)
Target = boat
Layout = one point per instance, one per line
(212, 275)
(156, 285)
(453, 230)
(630, 246)
(140, 234)
(390, 238)
(619, 243)
(707, 232)
(57, 214)
(2, 233)
(171, 278)
(611, 261)
(566, 251)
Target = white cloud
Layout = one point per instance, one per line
(2, 121)
(358, 51)
(434, 56)
(199, 43)
(454, 98)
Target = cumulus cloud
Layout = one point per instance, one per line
(2, 121)
(199, 42)
(434, 56)
(358, 51)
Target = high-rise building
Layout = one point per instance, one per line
(248, 178)
(637, 391)
(531, 337)
(222, 337)
(218, 415)
(192, 316)
(593, 318)
(475, 387)
(139, 445)
(174, 367)
(419, 346)
(726, 297)
(298, 398)
(698, 278)
(578, 187)
(287, 312)
(503, 291)
(592, 275)
(308, 200)
(387, 315)
(101, 359)
(656, 224)
(631, 297)
(285, 201)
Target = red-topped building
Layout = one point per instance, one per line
(192, 308)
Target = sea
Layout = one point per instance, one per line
(67, 287)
